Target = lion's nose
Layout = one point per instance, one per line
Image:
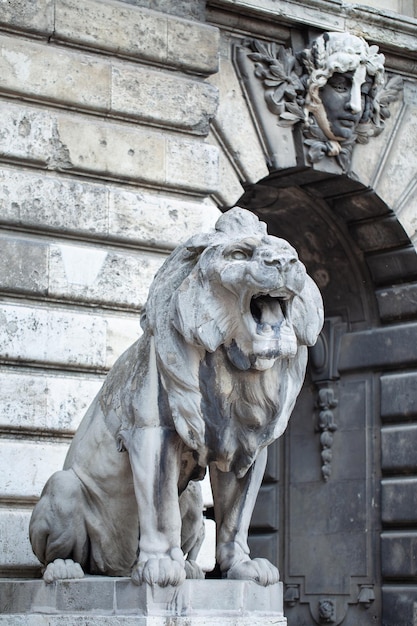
(281, 262)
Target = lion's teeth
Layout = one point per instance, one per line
(267, 329)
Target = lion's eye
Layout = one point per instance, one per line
(239, 255)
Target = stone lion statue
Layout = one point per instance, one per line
(211, 382)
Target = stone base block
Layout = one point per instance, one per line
(105, 601)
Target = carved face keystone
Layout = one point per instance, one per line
(344, 102)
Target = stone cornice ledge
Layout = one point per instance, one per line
(386, 28)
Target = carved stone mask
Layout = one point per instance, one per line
(342, 71)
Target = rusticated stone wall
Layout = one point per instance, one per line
(104, 168)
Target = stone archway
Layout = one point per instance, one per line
(335, 507)
(330, 475)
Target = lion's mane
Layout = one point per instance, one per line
(190, 318)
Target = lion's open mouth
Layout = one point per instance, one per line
(268, 313)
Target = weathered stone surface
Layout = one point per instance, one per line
(230, 187)
(400, 169)
(74, 206)
(37, 460)
(164, 99)
(23, 265)
(156, 220)
(399, 396)
(39, 201)
(399, 554)
(42, 71)
(398, 302)
(73, 142)
(398, 444)
(70, 339)
(36, 16)
(137, 32)
(82, 273)
(213, 322)
(397, 500)
(196, 603)
(36, 401)
(27, 134)
(191, 165)
(233, 113)
(193, 48)
(15, 548)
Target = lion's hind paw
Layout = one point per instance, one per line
(62, 569)
(259, 570)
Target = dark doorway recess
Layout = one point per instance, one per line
(337, 510)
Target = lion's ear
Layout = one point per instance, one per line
(307, 314)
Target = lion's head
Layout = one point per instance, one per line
(238, 289)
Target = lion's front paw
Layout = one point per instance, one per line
(62, 569)
(162, 570)
(259, 570)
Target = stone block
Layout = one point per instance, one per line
(194, 603)
(23, 265)
(399, 605)
(28, 134)
(229, 188)
(162, 99)
(156, 220)
(85, 595)
(28, 459)
(398, 445)
(193, 46)
(35, 401)
(398, 302)
(43, 335)
(36, 16)
(105, 149)
(77, 207)
(121, 333)
(100, 275)
(399, 555)
(132, 31)
(49, 203)
(73, 142)
(399, 395)
(400, 167)
(113, 26)
(15, 549)
(192, 165)
(41, 71)
(234, 124)
(398, 500)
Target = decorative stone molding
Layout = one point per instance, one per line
(326, 426)
(331, 95)
(325, 374)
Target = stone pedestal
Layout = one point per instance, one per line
(105, 601)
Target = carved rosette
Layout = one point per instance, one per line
(292, 85)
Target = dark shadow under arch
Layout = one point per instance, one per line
(337, 476)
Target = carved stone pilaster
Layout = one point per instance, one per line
(326, 426)
(324, 358)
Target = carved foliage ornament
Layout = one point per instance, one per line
(335, 91)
